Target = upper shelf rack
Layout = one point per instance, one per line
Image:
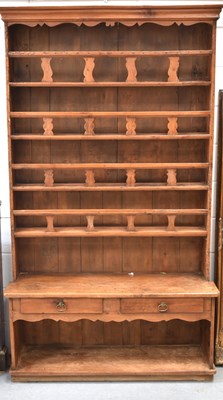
(90, 58)
(131, 226)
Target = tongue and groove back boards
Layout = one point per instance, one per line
(124, 252)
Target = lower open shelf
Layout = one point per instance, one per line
(67, 363)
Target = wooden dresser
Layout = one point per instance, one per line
(110, 116)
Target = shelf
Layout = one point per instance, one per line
(110, 84)
(93, 166)
(112, 187)
(111, 286)
(108, 114)
(111, 232)
(57, 362)
(109, 53)
(189, 136)
(106, 211)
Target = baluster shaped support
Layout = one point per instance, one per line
(48, 177)
(171, 222)
(171, 177)
(131, 69)
(172, 126)
(89, 126)
(47, 70)
(50, 223)
(90, 222)
(130, 126)
(173, 69)
(131, 177)
(90, 179)
(88, 69)
(48, 126)
(131, 222)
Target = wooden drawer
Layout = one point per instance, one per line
(77, 306)
(176, 305)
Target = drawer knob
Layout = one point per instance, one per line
(162, 307)
(61, 306)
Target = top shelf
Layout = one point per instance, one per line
(114, 53)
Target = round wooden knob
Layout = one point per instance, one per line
(162, 307)
(61, 306)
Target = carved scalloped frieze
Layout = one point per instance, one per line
(108, 317)
(108, 23)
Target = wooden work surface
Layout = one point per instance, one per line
(110, 285)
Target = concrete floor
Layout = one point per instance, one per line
(113, 391)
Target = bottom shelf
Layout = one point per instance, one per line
(112, 363)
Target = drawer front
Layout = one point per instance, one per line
(176, 305)
(76, 306)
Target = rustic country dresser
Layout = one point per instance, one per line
(110, 123)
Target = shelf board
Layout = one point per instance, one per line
(107, 211)
(109, 114)
(111, 232)
(94, 166)
(189, 136)
(57, 362)
(106, 187)
(110, 84)
(111, 286)
(108, 53)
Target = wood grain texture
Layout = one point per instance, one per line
(110, 285)
(102, 362)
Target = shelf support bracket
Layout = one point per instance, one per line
(50, 223)
(88, 69)
(47, 70)
(131, 69)
(48, 126)
(131, 177)
(171, 222)
(171, 177)
(90, 222)
(130, 126)
(172, 126)
(89, 126)
(48, 177)
(173, 69)
(90, 179)
(131, 222)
